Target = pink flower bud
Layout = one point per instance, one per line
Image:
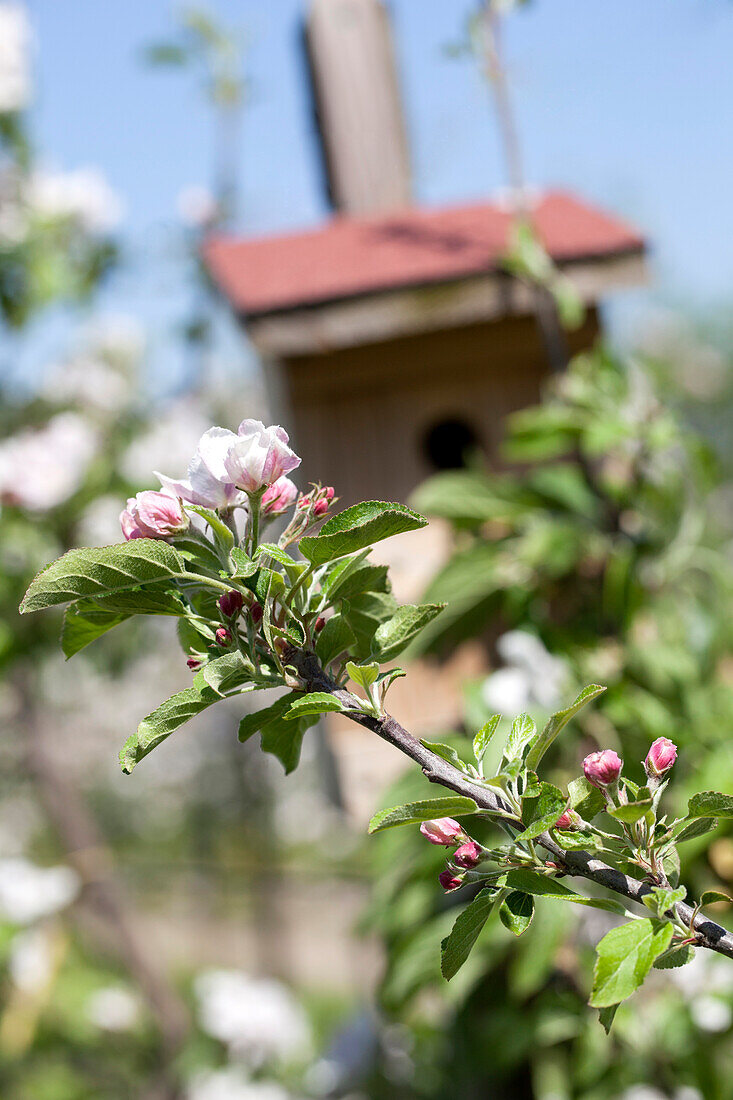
(565, 821)
(602, 769)
(320, 508)
(329, 491)
(256, 613)
(279, 497)
(223, 637)
(194, 663)
(468, 855)
(320, 623)
(661, 757)
(449, 881)
(231, 603)
(153, 515)
(443, 830)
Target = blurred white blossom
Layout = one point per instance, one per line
(232, 1083)
(29, 892)
(82, 195)
(531, 676)
(114, 1008)
(41, 468)
(258, 1019)
(15, 41)
(711, 1013)
(170, 439)
(196, 206)
(31, 960)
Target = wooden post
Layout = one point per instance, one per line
(358, 105)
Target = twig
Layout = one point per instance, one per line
(577, 864)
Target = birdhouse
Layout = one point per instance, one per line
(392, 341)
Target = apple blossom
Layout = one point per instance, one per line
(449, 881)
(153, 515)
(231, 603)
(442, 830)
(279, 497)
(468, 855)
(602, 769)
(257, 456)
(208, 484)
(223, 637)
(661, 757)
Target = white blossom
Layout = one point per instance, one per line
(165, 443)
(531, 676)
(258, 1019)
(711, 1013)
(196, 206)
(208, 483)
(40, 469)
(29, 892)
(114, 1008)
(31, 959)
(82, 195)
(233, 1083)
(15, 41)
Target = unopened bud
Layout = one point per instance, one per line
(256, 613)
(568, 820)
(449, 881)
(194, 663)
(661, 757)
(443, 830)
(320, 508)
(223, 637)
(602, 769)
(329, 491)
(231, 603)
(320, 623)
(467, 856)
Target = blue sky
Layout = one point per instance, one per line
(627, 103)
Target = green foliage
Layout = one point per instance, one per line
(557, 722)
(415, 812)
(163, 721)
(394, 635)
(101, 570)
(624, 957)
(457, 946)
(358, 527)
(516, 911)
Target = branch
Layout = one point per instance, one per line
(576, 864)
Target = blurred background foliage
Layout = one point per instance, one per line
(600, 552)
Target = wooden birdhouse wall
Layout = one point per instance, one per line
(362, 417)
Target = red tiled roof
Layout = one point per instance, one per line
(349, 257)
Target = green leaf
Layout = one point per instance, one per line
(244, 567)
(393, 636)
(224, 673)
(317, 702)
(88, 619)
(412, 813)
(557, 722)
(364, 614)
(336, 638)
(163, 721)
(625, 956)
(457, 946)
(541, 812)
(222, 534)
(101, 570)
(335, 573)
(521, 734)
(661, 899)
(708, 897)
(710, 804)
(369, 578)
(483, 737)
(585, 799)
(194, 546)
(606, 1016)
(253, 723)
(699, 826)
(531, 882)
(577, 841)
(445, 752)
(357, 528)
(272, 550)
(516, 912)
(676, 956)
(285, 739)
(632, 811)
(363, 675)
